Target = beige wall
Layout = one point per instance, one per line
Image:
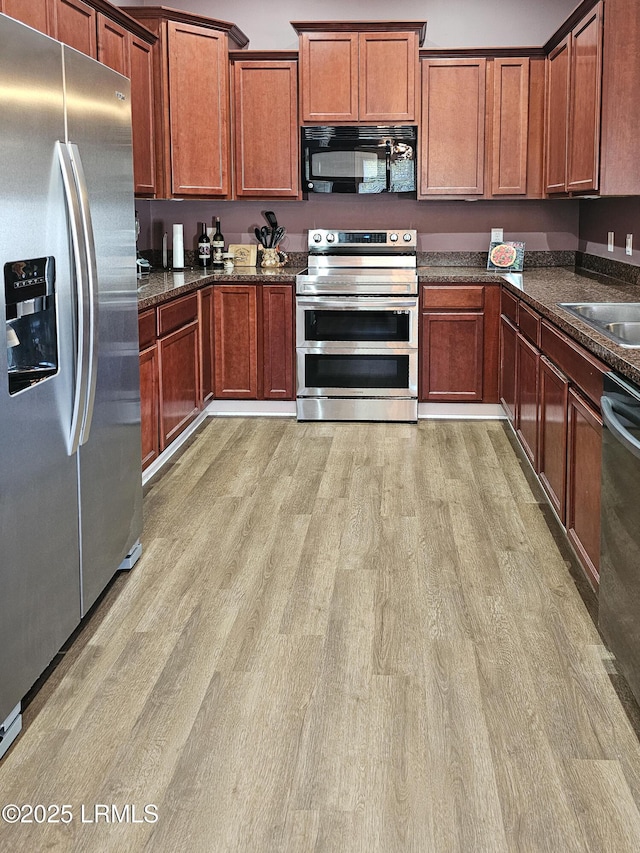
(450, 23)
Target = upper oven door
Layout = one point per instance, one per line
(366, 321)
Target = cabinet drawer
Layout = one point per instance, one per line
(147, 328)
(177, 313)
(452, 296)
(579, 365)
(509, 306)
(529, 323)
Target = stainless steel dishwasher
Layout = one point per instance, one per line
(619, 596)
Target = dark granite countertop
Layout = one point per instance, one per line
(541, 287)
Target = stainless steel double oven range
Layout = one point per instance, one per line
(357, 327)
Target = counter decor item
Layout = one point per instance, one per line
(227, 260)
(506, 257)
(178, 247)
(272, 258)
(217, 246)
(244, 255)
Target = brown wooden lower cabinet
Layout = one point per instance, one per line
(551, 394)
(552, 438)
(205, 314)
(178, 356)
(584, 460)
(277, 342)
(149, 405)
(459, 343)
(508, 338)
(527, 357)
(253, 342)
(236, 341)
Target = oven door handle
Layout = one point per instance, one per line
(347, 303)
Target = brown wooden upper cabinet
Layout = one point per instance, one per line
(191, 101)
(76, 26)
(452, 127)
(130, 55)
(574, 76)
(39, 14)
(352, 72)
(265, 125)
(482, 126)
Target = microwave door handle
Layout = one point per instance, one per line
(388, 164)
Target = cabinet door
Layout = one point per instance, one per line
(76, 26)
(149, 405)
(236, 341)
(113, 46)
(329, 77)
(584, 103)
(265, 99)
(508, 351)
(277, 344)
(558, 65)
(510, 126)
(179, 381)
(451, 365)
(198, 110)
(206, 322)
(452, 130)
(584, 463)
(552, 449)
(35, 13)
(142, 99)
(388, 76)
(527, 359)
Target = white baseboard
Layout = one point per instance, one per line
(252, 408)
(462, 411)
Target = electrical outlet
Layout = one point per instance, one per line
(629, 244)
(497, 235)
(610, 241)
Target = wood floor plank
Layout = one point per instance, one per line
(340, 637)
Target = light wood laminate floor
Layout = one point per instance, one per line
(340, 637)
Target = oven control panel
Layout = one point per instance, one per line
(405, 239)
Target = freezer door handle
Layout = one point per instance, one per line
(78, 246)
(609, 407)
(90, 290)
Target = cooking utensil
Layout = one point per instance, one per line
(278, 235)
(270, 216)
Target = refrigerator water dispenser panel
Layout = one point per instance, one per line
(32, 337)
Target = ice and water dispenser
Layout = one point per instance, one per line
(32, 337)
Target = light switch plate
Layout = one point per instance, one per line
(497, 235)
(629, 244)
(610, 238)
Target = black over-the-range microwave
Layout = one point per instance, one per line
(359, 159)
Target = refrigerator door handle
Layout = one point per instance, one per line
(78, 247)
(90, 292)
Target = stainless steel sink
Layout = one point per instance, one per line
(628, 331)
(618, 321)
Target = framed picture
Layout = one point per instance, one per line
(506, 257)
(244, 254)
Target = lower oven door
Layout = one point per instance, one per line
(370, 321)
(357, 372)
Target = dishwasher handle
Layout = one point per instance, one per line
(610, 408)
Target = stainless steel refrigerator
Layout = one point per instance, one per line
(70, 471)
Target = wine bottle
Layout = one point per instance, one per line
(204, 247)
(217, 244)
